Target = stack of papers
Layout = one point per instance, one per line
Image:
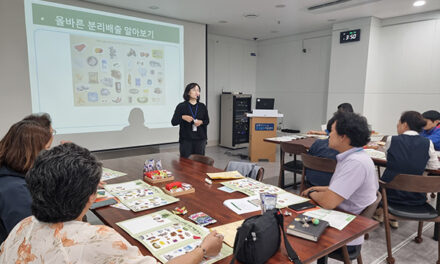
(336, 219)
(253, 188)
(286, 138)
(375, 154)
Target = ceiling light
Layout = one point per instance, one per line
(250, 15)
(280, 6)
(274, 31)
(223, 21)
(153, 7)
(419, 3)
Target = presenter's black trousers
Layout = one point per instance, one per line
(188, 147)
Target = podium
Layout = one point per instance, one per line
(263, 124)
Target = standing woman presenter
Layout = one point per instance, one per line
(192, 117)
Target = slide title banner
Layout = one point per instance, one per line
(84, 21)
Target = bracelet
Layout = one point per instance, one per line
(308, 194)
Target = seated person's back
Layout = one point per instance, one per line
(430, 130)
(18, 150)
(408, 153)
(63, 184)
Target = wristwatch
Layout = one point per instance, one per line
(308, 194)
(204, 251)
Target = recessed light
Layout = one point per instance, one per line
(153, 7)
(280, 6)
(223, 21)
(250, 15)
(419, 3)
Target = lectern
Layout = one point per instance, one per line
(263, 124)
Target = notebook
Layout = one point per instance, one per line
(307, 231)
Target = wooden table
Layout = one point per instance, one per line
(307, 142)
(209, 199)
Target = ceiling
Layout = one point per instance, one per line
(272, 21)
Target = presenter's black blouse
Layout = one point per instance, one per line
(201, 113)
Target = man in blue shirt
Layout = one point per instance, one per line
(431, 130)
(320, 149)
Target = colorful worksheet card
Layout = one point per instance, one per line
(139, 196)
(108, 174)
(167, 236)
(252, 187)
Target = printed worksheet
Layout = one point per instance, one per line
(108, 174)
(139, 196)
(167, 236)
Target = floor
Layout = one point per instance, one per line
(405, 250)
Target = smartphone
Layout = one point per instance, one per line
(302, 206)
(103, 203)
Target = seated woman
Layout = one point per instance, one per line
(18, 151)
(63, 184)
(408, 153)
(354, 184)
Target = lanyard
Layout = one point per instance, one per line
(190, 109)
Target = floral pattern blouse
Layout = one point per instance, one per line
(32, 241)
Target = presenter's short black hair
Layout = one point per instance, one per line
(354, 126)
(187, 89)
(61, 182)
(345, 107)
(431, 115)
(414, 120)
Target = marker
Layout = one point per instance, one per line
(235, 206)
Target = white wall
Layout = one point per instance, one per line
(230, 68)
(404, 70)
(298, 81)
(348, 66)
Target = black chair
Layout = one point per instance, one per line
(294, 166)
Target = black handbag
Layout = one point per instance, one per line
(259, 238)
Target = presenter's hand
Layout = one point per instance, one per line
(187, 118)
(198, 122)
(212, 244)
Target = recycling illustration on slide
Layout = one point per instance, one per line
(116, 73)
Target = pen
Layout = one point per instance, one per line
(235, 206)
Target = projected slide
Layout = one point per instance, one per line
(116, 73)
(90, 69)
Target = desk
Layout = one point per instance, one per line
(210, 200)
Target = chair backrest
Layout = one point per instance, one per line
(247, 169)
(413, 183)
(203, 159)
(371, 209)
(292, 148)
(318, 163)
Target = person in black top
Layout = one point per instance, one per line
(192, 117)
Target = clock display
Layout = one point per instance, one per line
(350, 36)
